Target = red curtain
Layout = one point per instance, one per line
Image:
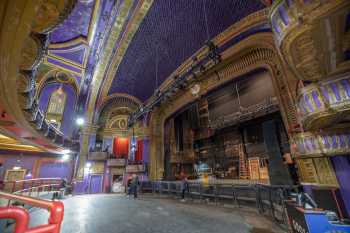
(138, 154)
(121, 147)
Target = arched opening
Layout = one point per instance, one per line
(224, 134)
(56, 106)
(57, 101)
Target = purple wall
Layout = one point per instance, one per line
(52, 169)
(95, 185)
(49, 167)
(342, 170)
(68, 123)
(145, 156)
(24, 162)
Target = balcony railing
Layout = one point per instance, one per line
(47, 129)
(325, 103)
(98, 155)
(116, 162)
(325, 143)
(269, 105)
(20, 185)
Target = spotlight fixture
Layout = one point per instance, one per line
(80, 121)
(66, 151)
(65, 157)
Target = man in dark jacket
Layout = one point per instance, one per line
(135, 184)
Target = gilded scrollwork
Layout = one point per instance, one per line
(324, 103)
(50, 13)
(32, 52)
(327, 142)
(306, 38)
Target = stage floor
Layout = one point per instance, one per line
(111, 213)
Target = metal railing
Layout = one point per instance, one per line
(29, 185)
(267, 106)
(267, 199)
(21, 215)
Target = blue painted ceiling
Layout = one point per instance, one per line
(173, 29)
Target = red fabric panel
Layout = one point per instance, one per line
(139, 151)
(121, 147)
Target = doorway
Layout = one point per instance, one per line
(95, 183)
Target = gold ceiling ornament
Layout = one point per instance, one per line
(307, 34)
(32, 52)
(50, 13)
(56, 76)
(25, 83)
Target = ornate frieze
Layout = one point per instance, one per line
(317, 171)
(324, 103)
(51, 13)
(33, 51)
(309, 35)
(321, 143)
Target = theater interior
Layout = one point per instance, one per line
(170, 115)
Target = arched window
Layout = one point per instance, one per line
(55, 108)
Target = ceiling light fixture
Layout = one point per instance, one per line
(66, 151)
(65, 157)
(80, 121)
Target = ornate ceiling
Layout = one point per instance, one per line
(169, 34)
(106, 48)
(131, 47)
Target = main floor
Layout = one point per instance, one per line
(106, 213)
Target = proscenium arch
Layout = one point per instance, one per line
(121, 99)
(51, 77)
(255, 52)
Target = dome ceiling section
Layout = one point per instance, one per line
(77, 42)
(76, 25)
(129, 15)
(171, 32)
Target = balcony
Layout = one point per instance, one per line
(326, 143)
(324, 103)
(302, 29)
(134, 168)
(116, 162)
(97, 156)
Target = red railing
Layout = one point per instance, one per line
(29, 184)
(21, 216)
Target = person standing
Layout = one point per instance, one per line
(184, 187)
(135, 184)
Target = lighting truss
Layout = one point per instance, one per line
(199, 65)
